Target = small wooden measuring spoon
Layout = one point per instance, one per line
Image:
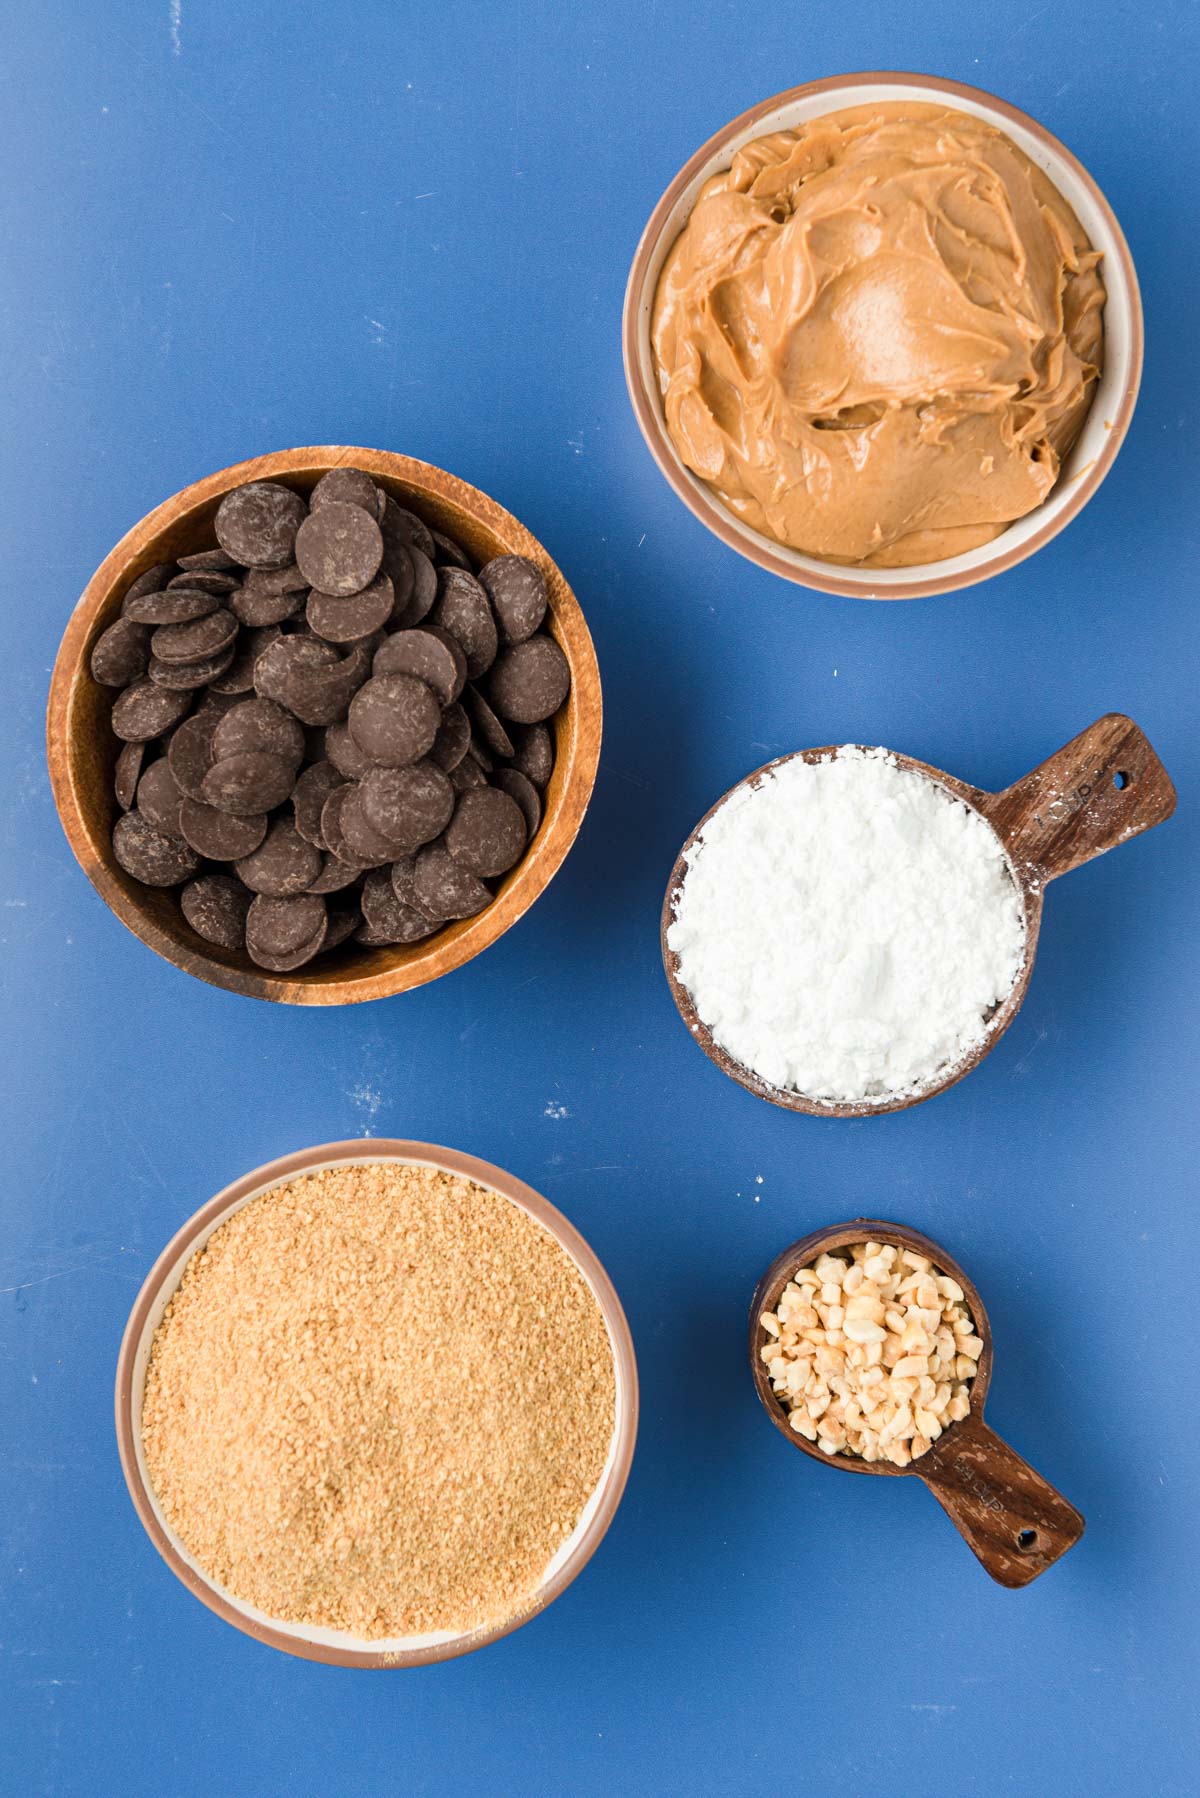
(1105, 786)
(1009, 1516)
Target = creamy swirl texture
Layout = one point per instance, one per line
(878, 335)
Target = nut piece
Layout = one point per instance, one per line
(869, 1351)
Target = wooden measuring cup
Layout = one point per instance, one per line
(1009, 1516)
(1105, 786)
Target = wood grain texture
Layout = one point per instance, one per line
(1102, 788)
(81, 749)
(1013, 1520)
(1105, 786)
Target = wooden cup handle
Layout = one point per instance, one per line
(1008, 1515)
(1107, 784)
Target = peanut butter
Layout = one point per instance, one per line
(878, 335)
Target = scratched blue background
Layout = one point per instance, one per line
(229, 228)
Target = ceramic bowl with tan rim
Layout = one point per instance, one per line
(1103, 428)
(337, 1647)
(82, 749)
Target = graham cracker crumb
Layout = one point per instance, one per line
(379, 1402)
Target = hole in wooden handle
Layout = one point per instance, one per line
(1102, 788)
(1011, 1518)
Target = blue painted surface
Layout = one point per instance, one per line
(229, 228)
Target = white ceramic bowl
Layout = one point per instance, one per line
(337, 1647)
(1112, 406)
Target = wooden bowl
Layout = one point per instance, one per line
(1105, 786)
(82, 750)
(337, 1647)
(1112, 405)
(1011, 1519)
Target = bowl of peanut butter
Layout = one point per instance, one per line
(883, 335)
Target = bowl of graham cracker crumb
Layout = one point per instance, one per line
(376, 1403)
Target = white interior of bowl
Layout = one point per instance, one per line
(312, 1633)
(1118, 328)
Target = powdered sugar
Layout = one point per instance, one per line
(845, 928)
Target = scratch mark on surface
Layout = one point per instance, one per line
(101, 1265)
(631, 779)
(140, 1148)
(24, 1285)
(1022, 1065)
(176, 15)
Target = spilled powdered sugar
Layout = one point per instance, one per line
(846, 928)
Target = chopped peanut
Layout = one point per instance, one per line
(870, 1351)
(861, 1329)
